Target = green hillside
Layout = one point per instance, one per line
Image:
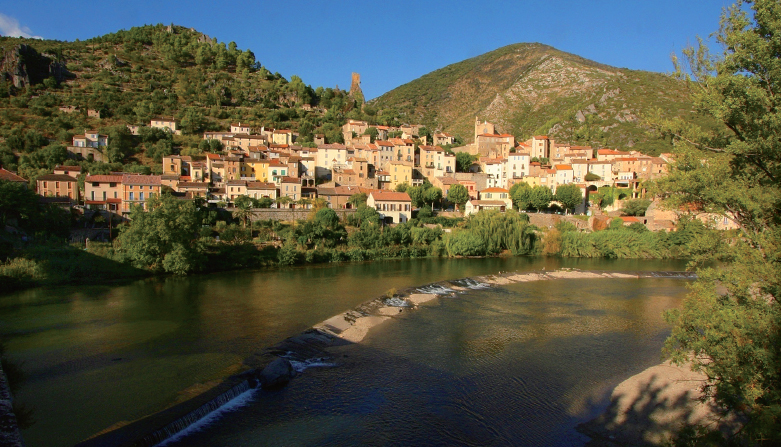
(134, 75)
(531, 89)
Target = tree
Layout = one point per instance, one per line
(464, 161)
(635, 207)
(569, 195)
(417, 194)
(243, 210)
(433, 195)
(372, 132)
(193, 120)
(459, 195)
(730, 320)
(590, 177)
(357, 199)
(520, 194)
(540, 197)
(284, 201)
(164, 238)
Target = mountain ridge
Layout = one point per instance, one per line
(533, 88)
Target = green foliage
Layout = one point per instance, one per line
(459, 195)
(464, 243)
(591, 177)
(564, 226)
(730, 320)
(520, 194)
(569, 195)
(358, 199)
(540, 197)
(503, 231)
(164, 238)
(464, 161)
(635, 207)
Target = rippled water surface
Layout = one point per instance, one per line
(517, 365)
(96, 356)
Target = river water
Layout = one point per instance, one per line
(481, 368)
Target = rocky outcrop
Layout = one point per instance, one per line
(22, 66)
(277, 374)
(9, 430)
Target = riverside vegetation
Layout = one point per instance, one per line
(729, 326)
(181, 237)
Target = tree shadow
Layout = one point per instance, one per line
(650, 408)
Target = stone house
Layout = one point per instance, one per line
(103, 192)
(394, 207)
(435, 162)
(442, 139)
(400, 172)
(193, 189)
(290, 187)
(166, 123)
(60, 186)
(138, 189)
(235, 188)
(91, 138)
(258, 190)
(9, 176)
(241, 128)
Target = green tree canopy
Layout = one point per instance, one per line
(540, 197)
(464, 161)
(569, 195)
(520, 194)
(635, 207)
(731, 321)
(164, 238)
(458, 194)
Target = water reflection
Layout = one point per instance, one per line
(98, 355)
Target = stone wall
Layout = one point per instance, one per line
(545, 221)
(9, 430)
(287, 214)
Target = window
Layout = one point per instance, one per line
(141, 196)
(131, 197)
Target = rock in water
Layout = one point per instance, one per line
(277, 374)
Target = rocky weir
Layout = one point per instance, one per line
(274, 367)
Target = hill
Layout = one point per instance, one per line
(529, 89)
(134, 75)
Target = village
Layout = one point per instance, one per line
(268, 166)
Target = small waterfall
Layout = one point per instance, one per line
(317, 362)
(471, 284)
(396, 302)
(435, 289)
(676, 275)
(231, 399)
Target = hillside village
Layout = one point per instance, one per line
(379, 161)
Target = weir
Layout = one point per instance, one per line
(193, 417)
(307, 350)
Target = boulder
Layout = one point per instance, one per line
(276, 374)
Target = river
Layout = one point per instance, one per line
(99, 355)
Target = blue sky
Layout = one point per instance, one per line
(391, 43)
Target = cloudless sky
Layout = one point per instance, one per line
(391, 43)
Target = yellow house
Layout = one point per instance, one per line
(257, 169)
(400, 172)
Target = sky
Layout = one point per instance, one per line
(390, 43)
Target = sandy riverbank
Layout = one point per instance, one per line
(645, 409)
